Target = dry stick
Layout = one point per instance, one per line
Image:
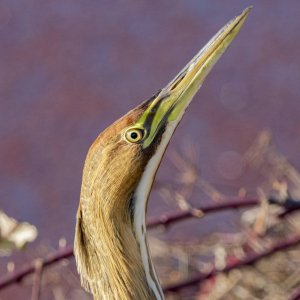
(37, 279)
(18, 275)
(165, 220)
(249, 260)
(168, 218)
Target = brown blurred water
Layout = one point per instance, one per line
(70, 68)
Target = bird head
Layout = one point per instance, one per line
(121, 152)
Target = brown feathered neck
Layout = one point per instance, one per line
(107, 248)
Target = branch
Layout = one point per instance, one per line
(290, 205)
(37, 280)
(165, 220)
(18, 275)
(249, 260)
(233, 203)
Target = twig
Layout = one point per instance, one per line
(18, 275)
(165, 220)
(37, 279)
(172, 217)
(249, 260)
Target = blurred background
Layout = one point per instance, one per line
(70, 68)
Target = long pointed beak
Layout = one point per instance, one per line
(169, 105)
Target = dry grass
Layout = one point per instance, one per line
(259, 228)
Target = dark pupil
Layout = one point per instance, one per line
(134, 135)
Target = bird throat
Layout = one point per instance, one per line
(141, 199)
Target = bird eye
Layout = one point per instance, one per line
(134, 135)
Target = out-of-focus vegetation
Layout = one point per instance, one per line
(14, 235)
(256, 230)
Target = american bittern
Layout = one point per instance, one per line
(111, 247)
